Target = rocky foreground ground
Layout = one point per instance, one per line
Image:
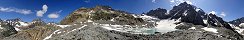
(183, 22)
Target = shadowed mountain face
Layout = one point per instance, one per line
(159, 13)
(190, 14)
(237, 21)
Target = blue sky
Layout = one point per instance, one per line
(54, 10)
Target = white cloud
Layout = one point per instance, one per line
(54, 14)
(177, 2)
(222, 14)
(9, 9)
(154, 1)
(213, 12)
(44, 8)
(24, 11)
(41, 12)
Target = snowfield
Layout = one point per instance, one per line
(238, 29)
(127, 29)
(210, 29)
(166, 25)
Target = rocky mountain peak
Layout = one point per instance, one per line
(37, 22)
(187, 13)
(190, 14)
(103, 7)
(214, 20)
(159, 13)
(101, 13)
(237, 21)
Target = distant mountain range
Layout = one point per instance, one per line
(183, 22)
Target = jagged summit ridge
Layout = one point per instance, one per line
(237, 21)
(187, 13)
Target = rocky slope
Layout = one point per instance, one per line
(102, 13)
(183, 22)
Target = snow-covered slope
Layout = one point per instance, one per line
(241, 25)
(237, 28)
(166, 25)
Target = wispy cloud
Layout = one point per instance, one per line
(10, 9)
(54, 14)
(213, 12)
(41, 12)
(222, 14)
(154, 1)
(87, 1)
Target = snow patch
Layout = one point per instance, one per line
(205, 21)
(63, 26)
(197, 9)
(192, 28)
(210, 29)
(48, 37)
(1, 27)
(112, 20)
(185, 13)
(241, 25)
(89, 21)
(74, 30)
(17, 29)
(216, 23)
(134, 15)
